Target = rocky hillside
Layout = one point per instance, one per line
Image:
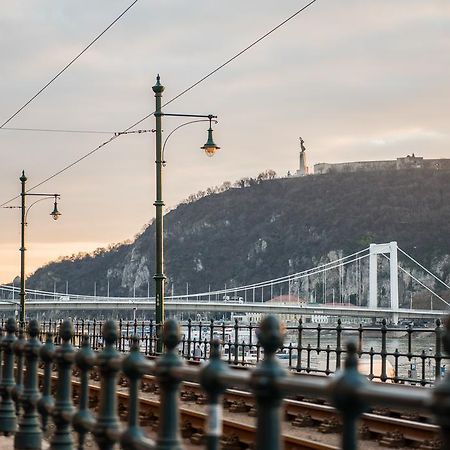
(272, 227)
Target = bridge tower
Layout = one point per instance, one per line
(374, 250)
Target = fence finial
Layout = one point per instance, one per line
(63, 410)
(168, 433)
(264, 385)
(8, 421)
(210, 381)
(29, 434)
(270, 335)
(108, 424)
(83, 420)
(133, 367)
(170, 334)
(46, 403)
(345, 397)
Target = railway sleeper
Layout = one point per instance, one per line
(188, 396)
(365, 434)
(202, 399)
(232, 443)
(147, 418)
(187, 430)
(392, 439)
(239, 407)
(332, 425)
(197, 439)
(434, 444)
(303, 420)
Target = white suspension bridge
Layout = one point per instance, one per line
(293, 294)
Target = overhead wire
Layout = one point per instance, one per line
(68, 64)
(51, 130)
(192, 86)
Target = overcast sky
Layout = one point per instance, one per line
(357, 79)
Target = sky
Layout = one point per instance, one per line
(357, 79)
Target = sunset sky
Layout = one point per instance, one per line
(357, 79)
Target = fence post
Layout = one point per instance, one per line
(46, 403)
(168, 433)
(109, 365)
(441, 395)
(344, 395)
(18, 349)
(214, 389)
(8, 422)
(63, 410)
(263, 383)
(29, 434)
(437, 354)
(83, 418)
(338, 344)
(383, 376)
(133, 367)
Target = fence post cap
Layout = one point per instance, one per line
(351, 362)
(110, 332)
(11, 325)
(66, 330)
(85, 357)
(170, 334)
(215, 349)
(33, 328)
(270, 335)
(343, 388)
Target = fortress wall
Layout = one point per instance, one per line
(354, 166)
(439, 164)
(408, 162)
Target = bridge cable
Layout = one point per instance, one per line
(309, 272)
(418, 281)
(303, 274)
(424, 268)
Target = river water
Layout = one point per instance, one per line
(420, 363)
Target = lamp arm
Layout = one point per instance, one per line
(37, 201)
(183, 125)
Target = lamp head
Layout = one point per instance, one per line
(55, 213)
(210, 147)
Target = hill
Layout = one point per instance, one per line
(271, 227)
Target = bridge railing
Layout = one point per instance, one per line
(26, 406)
(400, 354)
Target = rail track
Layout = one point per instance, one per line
(392, 428)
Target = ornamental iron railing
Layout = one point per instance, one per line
(26, 407)
(401, 354)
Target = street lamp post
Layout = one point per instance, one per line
(24, 212)
(210, 148)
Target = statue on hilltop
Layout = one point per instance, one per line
(302, 144)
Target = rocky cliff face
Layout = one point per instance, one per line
(276, 227)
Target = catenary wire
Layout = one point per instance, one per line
(192, 86)
(51, 130)
(68, 65)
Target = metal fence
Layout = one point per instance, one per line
(26, 408)
(400, 354)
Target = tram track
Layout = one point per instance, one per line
(392, 431)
